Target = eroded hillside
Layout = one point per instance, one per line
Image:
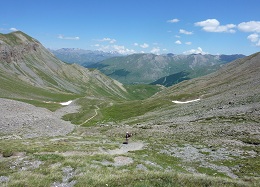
(25, 62)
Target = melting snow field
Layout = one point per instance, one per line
(66, 103)
(183, 102)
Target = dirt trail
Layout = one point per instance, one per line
(96, 113)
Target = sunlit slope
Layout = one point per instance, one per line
(233, 89)
(28, 70)
(148, 68)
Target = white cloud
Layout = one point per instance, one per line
(182, 31)
(254, 38)
(135, 44)
(213, 25)
(122, 49)
(195, 51)
(117, 48)
(188, 43)
(110, 40)
(178, 42)
(251, 26)
(145, 45)
(177, 36)
(173, 20)
(13, 29)
(156, 50)
(68, 38)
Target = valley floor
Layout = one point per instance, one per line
(197, 153)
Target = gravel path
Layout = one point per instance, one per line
(133, 146)
(22, 120)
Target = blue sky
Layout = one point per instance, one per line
(134, 26)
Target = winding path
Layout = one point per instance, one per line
(96, 113)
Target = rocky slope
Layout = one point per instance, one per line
(21, 120)
(231, 93)
(26, 64)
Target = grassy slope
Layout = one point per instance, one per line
(36, 76)
(87, 167)
(13, 89)
(234, 76)
(135, 94)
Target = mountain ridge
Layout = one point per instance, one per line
(24, 58)
(147, 68)
(82, 56)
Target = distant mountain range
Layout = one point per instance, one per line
(166, 70)
(81, 56)
(161, 69)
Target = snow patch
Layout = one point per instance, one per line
(183, 102)
(66, 103)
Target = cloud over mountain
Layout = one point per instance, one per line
(156, 50)
(122, 49)
(145, 45)
(13, 29)
(195, 51)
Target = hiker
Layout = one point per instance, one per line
(127, 136)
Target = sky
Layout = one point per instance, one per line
(138, 26)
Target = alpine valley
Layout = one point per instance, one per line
(161, 69)
(194, 119)
(146, 68)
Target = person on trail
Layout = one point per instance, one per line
(127, 136)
